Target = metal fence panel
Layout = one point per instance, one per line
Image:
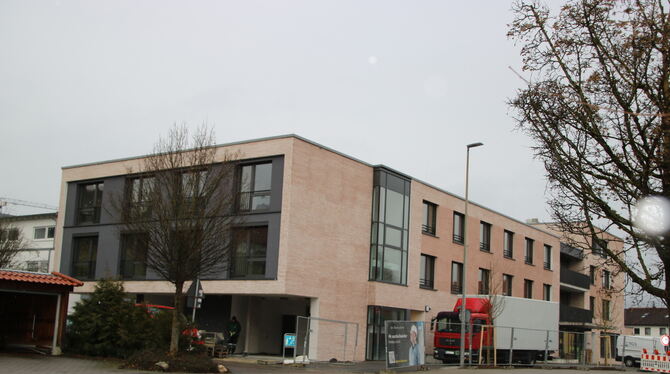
(321, 339)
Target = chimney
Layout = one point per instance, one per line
(532, 221)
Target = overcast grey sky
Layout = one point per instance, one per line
(403, 83)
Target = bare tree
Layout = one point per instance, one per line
(11, 241)
(179, 206)
(598, 109)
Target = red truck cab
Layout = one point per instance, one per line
(447, 328)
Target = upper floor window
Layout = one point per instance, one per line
(459, 227)
(485, 236)
(10, 234)
(84, 254)
(133, 256)
(456, 277)
(484, 280)
(592, 303)
(529, 251)
(508, 244)
(606, 310)
(592, 274)
(598, 246)
(138, 195)
(427, 276)
(44, 232)
(429, 217)
(606, 279)
(547, 257)
(89, 202)
(507, 285)
(528, 288)
(37, 266)
(546, 292)
(249, 252)
(255, 187)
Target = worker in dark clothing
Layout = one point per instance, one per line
(234, 330)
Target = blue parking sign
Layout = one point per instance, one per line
(289, 340)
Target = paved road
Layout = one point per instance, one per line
(35, 364)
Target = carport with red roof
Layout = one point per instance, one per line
(33, 308)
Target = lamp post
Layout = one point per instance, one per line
(465, 251)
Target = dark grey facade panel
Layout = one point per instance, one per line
(109, 230)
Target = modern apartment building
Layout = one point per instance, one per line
(37, 233)
(323, 235)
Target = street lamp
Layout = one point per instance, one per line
(465, 251)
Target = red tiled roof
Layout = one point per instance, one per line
(31, 277)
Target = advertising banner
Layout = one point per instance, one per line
(404, 343)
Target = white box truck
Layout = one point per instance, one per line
(525, 327)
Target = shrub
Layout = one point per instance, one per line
(107, 324)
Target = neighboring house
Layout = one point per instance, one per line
(332, 237)
(37, 232)
(647, 321)
(591, 292)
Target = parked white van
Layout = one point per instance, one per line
(634, 346)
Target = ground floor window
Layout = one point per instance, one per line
(376, 336)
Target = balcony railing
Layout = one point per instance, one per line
(574, 278)
(572, 314)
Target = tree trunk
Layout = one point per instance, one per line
(174, 336)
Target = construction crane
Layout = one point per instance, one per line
(4, 201)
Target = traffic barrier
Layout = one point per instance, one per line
(656, 362)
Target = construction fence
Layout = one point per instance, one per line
(319, 339)
(504, 346)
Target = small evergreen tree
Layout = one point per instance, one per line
(107, 324)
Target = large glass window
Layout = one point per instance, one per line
(84, 254)
(507, 284)
(133, 256)
(459, 227)
(529, 251)
(390, 225)
(508, 244)
(255, 187)
(485, 236)
(89, 202)
(484, 279)
(249, 252)
(427, 276)
(429, 217)
(139, 192)
(547, 257)
(456, 277)
(376, 332)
